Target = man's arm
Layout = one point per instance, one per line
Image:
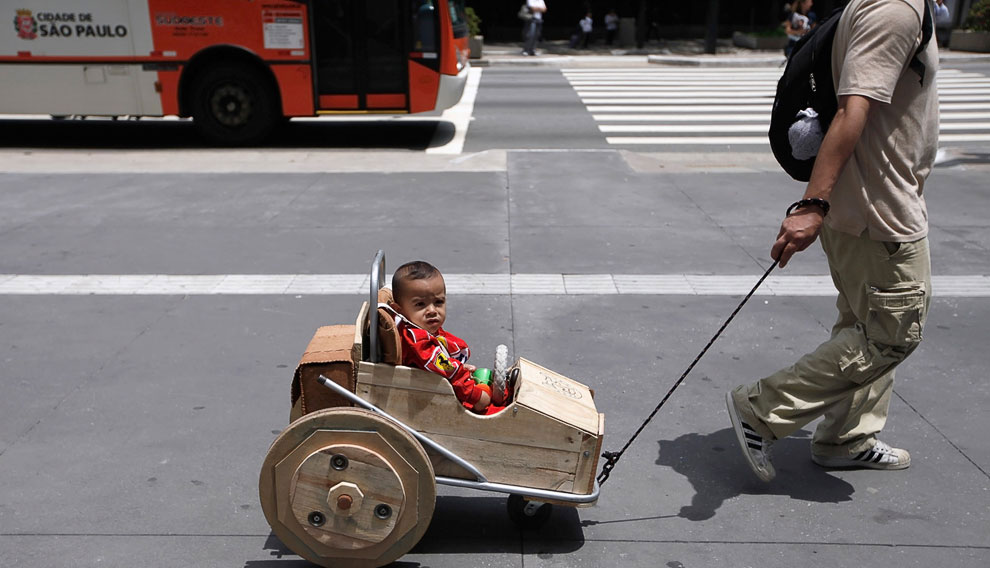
(801, 228)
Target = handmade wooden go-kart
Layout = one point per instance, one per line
(352, 480)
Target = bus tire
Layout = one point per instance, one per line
(234, 105)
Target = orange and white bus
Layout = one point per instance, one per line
(237, 67)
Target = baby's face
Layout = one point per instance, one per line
(424, 302)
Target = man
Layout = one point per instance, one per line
(865, 200)
(535, 26)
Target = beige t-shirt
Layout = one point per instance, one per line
(881, 188)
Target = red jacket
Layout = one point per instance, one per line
(443, 354)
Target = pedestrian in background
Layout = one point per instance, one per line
(611, 26)
(535, 27)
(797, 23)
(865, 201)
(587, 25)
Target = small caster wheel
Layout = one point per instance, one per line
(528, 515)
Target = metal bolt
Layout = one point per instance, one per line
(339, 462)
(383, 511)
(344, 502)
(587, 453)
(317, 519)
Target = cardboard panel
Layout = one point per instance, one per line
(333, 354)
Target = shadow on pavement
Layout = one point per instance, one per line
(282, 557)
(717, 471)
(962, 158)
(418, 134)
(482, 525)
(465, 525)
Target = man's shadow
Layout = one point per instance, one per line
(718, 471)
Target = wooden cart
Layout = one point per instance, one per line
(352, 480)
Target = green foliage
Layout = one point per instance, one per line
(776, 31)
(473, 21)
(979, 17)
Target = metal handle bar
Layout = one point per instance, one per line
(377, 270)
(482, 483)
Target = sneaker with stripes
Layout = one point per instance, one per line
(755, 448)
(880, 456)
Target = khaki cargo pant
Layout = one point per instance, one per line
(884, 294)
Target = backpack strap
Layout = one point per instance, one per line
(927, 28)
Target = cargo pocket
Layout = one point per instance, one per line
(895, 315)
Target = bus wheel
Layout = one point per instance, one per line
(234, 106)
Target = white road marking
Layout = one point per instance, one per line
(457, 284)
(676, 105)
(689, 140)
(460, 114)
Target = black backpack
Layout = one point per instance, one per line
(807, 83)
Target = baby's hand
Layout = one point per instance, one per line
(470, 368)
(482, 403)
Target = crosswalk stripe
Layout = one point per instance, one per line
(717, 94)
(639, 100)
(760, 117)
(688, 140)
(764, 107)
(457, 284)
(714, 107)
(675, 117)
(762, 127)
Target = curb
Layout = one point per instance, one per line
(550, 60)
(717, 61)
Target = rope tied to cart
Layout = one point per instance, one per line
(612, 458)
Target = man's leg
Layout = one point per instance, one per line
(888, 293)
(851, 425)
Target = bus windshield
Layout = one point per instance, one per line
(458, 18)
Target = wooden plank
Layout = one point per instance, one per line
(359, 326)
(591, 448)
(357, 527)
(406, 378)
(557, 396)
(430, 412)
(522, 445)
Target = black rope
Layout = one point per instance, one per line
(611, 458)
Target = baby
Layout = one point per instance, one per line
(420, 299)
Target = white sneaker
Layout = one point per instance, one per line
(755, 448)
(880, 456)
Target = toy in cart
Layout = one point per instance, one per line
(352, 480)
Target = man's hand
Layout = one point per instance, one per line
(800, 229)
(797, 232)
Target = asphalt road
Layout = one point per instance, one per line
(148, 334)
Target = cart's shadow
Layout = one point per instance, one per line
(717, 471)
(467, 526)
(99, 134)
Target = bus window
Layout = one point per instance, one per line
(335, 51)
(424, 26)
(458, 18)
(386, 57)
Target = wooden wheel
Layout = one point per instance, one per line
(348, 488)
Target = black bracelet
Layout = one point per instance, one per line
(818, 202)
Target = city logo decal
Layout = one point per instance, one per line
(25, 24)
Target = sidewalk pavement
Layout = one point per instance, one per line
(687, 53)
